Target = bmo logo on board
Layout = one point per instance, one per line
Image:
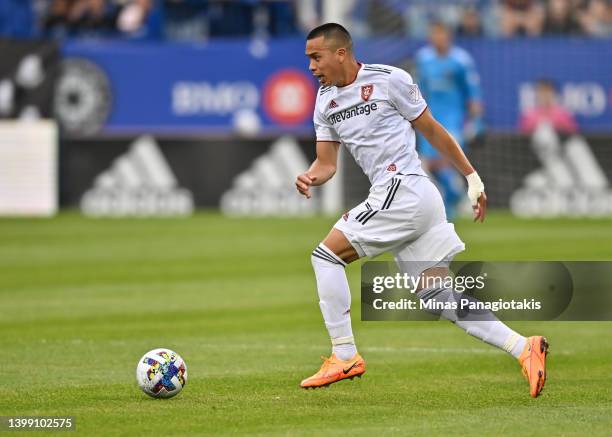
(288, 97)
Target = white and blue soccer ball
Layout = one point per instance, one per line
(161, 373)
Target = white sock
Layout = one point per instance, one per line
(483, 325)
(345, 351)
(515, 344)
(496, 333)
(334, 300)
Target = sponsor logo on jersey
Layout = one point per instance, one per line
(353, 112)
(366, 92)
(333, 104)
(392, 167)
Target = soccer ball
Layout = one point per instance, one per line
(161, 373)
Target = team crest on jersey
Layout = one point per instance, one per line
(333, 104)
(366, 92)
(392, 167)
(345, 216)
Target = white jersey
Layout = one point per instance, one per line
(371, 117)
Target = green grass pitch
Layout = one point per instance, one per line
(81, 300)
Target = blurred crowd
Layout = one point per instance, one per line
(154, 19)
(68, 17)
(201, 19)
(492, 18)
(556, 17)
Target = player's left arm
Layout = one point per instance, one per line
(438, 137)
(405, 96)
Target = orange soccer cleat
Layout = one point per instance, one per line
(533, 361)
(334, 370)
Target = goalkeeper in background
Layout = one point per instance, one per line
(450, 83)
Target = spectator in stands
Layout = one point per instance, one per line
(306, 14)
(71, 16)
(385, 17)
(100, 17)
(547, 109)
(561, 18)
(596, 18)
(470, 24)
(133, 15)
(200, 19)
(186, 20)
(520, 17)
(419, 14)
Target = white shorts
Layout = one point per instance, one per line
(405, 217)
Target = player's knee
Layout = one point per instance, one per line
(322, 255)
(437, 301)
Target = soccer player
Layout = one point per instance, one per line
(374, 110)
(448, 79)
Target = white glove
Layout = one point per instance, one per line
(475, 187)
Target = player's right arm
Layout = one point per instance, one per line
(328, 142)
(322, 169)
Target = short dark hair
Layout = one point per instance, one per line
(440, 24)
(333, 31)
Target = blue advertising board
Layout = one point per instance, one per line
(216, 87)
(231, 86)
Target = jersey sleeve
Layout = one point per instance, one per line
(405, 95)
(323, 129)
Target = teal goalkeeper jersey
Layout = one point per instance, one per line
(448, 83)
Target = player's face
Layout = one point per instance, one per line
(440, 38)
(545, 96)
(325, 62)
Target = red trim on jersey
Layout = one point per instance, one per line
(353, 81)
(418, 116)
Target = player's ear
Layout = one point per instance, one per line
(341, 54)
